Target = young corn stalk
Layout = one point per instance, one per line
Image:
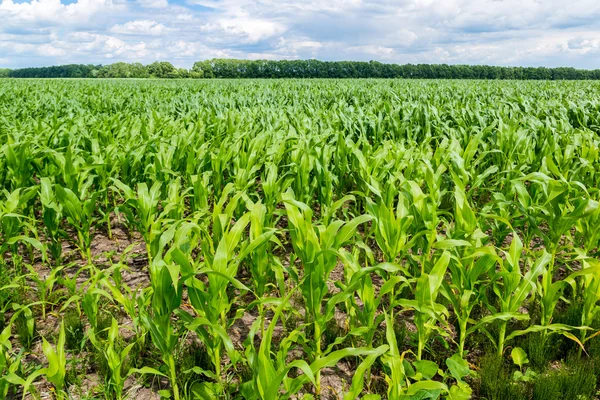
(52, 216)
(317, 248)
(560, 205)
(57, 363)
(116, 360)
(268, 374)
(211, 300)
(13, 222)
(142, 211)
(166, 298)
(428, 312)
(10, 364)
(263, 268)
(512, 288)
(79, 211)
(589, 278)
(469, 267)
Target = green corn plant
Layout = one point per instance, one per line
(393, 226)
(17, 163)
(219, 162)
(90, 296)
(105, 168)
(160, 166)
(273, 183)
(75, 171)
(13, 221)
(317, 249)
(200, 193)
(142, 211)
(551, 201)
(45, 285)
(364, 315)
(80, 214)
(57, 363)
(587, 234)
(247, 163)
(325, 179)
(116, 360)
(10, 364)
(303, 161)
(549, 289)
(425, 209)
(26, 311)
(399, 372)
(174, 201)
(262, 266)
(132, 301)
(166, 298)
(428, 312)
(268, 374)
(363, 307)
(85, 296)
(52, 217)
(512, 288)
(469, 266)
(467, 285)
(213, 303)
(589, 278)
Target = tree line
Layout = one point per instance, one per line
(230, 68)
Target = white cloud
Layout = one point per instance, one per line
(373, 50)
(186, 17)
(153, 3)
(140, 27)
(53, 12)
(250, 29)
(50, 51)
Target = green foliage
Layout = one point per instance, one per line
(541, 349)
(57, 363)
(74, 330)
(575, 380)
(230, 68)
(519, 357)
(25, 328)
(162, 69)
(496, 382)
(239, 239)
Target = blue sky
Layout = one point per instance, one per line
(499, 32)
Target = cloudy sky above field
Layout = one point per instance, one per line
(499, 32)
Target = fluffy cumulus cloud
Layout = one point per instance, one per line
(140, 28)
(499, 32)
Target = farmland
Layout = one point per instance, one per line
(299, 239)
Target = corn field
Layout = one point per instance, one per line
(326, 239)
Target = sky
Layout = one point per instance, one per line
(547, 33)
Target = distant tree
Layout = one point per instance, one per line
(59, 71)
(205, 68)
(138, 70)
(162, 69)
(230, 68)
(4, 72)
(116, 70)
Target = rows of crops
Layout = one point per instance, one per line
(299, 239)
